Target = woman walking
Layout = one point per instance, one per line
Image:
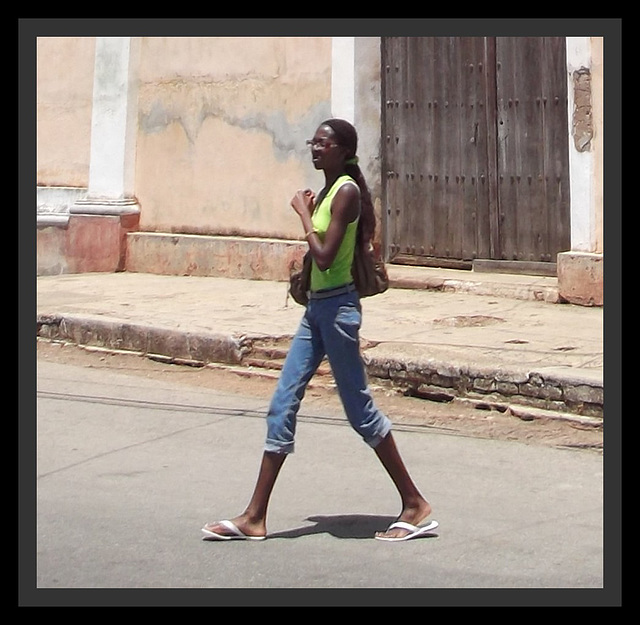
(334, 222)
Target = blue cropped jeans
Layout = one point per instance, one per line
(329, 327)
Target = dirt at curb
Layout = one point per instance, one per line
(457, 417)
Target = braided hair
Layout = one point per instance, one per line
(347, 137)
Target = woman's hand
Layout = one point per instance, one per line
(303, 202)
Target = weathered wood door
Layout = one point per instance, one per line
(475, 149)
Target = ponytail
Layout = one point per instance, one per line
(347, 137)
(367, 223)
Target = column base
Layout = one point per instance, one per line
(93, 238)
(581, 278)
(100, 206)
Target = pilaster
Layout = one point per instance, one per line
(98, 223)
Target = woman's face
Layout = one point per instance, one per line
(325, 152)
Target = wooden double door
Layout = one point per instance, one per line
(475, 151)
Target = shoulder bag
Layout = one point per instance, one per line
(369, 275)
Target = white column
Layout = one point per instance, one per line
(343, 78)
(113, 129)
(581, 163)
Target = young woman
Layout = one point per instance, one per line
(334, 222)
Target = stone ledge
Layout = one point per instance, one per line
(215, 256)
(582, 395)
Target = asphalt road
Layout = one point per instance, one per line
(129, 469)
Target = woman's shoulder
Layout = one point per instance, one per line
(347, 196)
(346, 183)
(345, 188)
(346, 178)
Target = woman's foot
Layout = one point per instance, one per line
(414, 515)
(244, 526)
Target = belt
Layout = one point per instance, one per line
(339, 290)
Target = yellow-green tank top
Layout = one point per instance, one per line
(339, 273)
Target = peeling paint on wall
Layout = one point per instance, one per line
(222, 127)
(192, 113)
(582, 128)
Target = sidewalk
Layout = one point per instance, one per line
(438, 333)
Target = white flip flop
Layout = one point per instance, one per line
(415, 531)
(236, 534)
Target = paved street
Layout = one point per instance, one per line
(128, 470)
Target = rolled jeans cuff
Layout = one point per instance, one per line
(275, 447)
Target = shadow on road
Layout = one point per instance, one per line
(341, 526)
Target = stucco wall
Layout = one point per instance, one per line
(65, 68)
(222, 130)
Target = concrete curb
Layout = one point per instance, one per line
(142, 339)
(561, 390)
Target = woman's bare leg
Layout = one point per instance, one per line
(415, 508)
(253, 521)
